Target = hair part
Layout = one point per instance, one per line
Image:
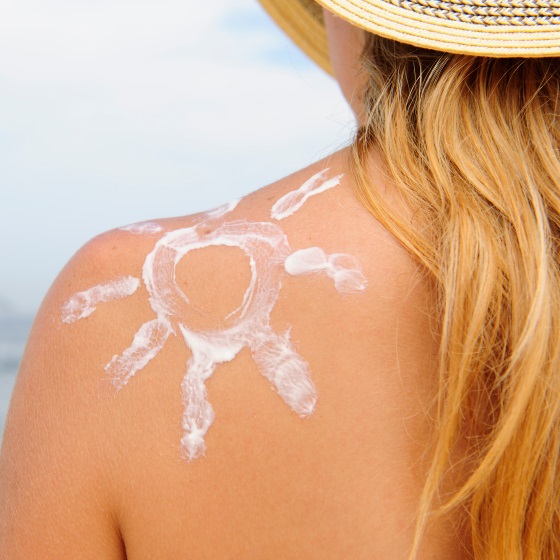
(472, 144)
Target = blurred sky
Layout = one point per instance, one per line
(117, 111)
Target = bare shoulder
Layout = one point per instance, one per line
(182, 368)
(56, 485)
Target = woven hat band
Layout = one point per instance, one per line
(502, 12)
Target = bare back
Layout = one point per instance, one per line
(313, 345)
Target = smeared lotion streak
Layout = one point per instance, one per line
(83, 304)
(148, 341)
(294, 200)
(222, 210)
(143, 228)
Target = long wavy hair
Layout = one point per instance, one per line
(472, 144)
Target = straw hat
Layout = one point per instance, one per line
(498, 28)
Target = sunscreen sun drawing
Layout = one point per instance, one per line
(270, 256)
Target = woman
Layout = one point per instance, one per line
(400, 298)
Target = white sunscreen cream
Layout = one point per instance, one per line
(83, 304)
(270, 257)
(267, 248)
(343, 269)
(294, 200)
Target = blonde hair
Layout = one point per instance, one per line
(473, 146)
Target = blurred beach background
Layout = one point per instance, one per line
(118, 111)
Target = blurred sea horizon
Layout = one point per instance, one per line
(14, 330)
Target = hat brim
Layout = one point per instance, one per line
(408, 22)
(302, 21)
